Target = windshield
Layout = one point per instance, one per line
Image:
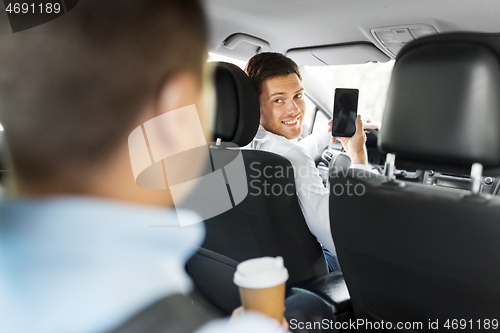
(371, 79)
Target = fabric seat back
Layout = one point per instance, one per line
(421, 253)
(269, 221)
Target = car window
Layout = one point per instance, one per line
(320, 121)
(217, 57)
(309, 116)
(371, 79)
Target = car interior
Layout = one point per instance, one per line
(421, 244)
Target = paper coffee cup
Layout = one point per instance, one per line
(261, 282)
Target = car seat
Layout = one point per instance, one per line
(417, 253)
(261, 225)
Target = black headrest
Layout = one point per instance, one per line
(443, 103)
(238, 111)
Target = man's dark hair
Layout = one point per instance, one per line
(269, 65)
(71, 90)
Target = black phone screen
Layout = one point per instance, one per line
(345, 109)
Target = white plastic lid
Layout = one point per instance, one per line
(265, 272)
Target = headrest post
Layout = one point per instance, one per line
(389, 167)
(475, 175)
(218, 142)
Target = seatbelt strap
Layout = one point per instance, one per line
(172, 314)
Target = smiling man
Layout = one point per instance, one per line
(278, 83)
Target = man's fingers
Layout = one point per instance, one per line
(360, 132)
(237, 312)
(359, 124)
(284, 324)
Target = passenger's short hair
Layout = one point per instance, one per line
(268, 65)
(72, 90)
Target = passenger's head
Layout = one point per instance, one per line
(73, 89)
(278, 83)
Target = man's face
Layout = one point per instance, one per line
(282, 106)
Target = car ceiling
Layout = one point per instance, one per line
(290, 24)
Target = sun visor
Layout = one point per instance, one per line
(340, 54)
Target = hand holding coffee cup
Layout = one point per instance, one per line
(261, 282)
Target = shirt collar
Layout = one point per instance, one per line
(263, 134)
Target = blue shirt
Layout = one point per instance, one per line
(84, 265)
(77, 264)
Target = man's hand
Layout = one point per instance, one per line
(355, 145)
(240, 310)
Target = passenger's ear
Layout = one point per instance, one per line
(180, 90)
(171, 124)
(185, 89)
(176, 131)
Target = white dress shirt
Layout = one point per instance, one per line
(313, 196)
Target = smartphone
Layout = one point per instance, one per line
(345, 110)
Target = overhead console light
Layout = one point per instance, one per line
(392, 39)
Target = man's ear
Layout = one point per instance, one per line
(176, 131)
(181, 90)
(185, 89)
